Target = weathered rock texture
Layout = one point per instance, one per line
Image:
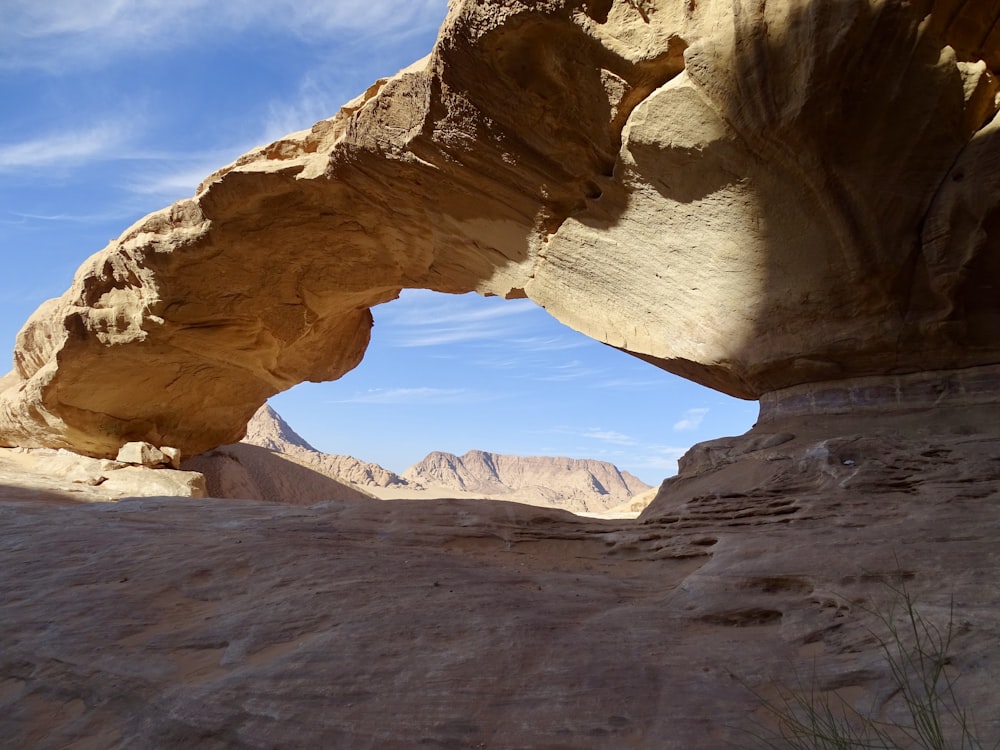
(753, 195)
(574, 484)
(481, 624)
(31, 472)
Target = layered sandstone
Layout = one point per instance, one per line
(757, 197)
(43, 472)
(180, 623)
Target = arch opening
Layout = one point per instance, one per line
(455, 373)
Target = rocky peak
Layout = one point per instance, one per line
(268, 430)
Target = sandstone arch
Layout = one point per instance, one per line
(753, 195)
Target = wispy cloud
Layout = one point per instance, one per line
(691, 420)
(417, 396)
(61, 149)
(565, 372)
(168, 183)
(314, 100)
(56, 34)
(425, 319)
(609, 436)
(548, 343)
(442, 336)
(651, 461)
(626, 384)
(421, 308)
(117, 214)
(658, 458)
(174, 176)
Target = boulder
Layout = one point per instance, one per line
(35, 472)
(757, 198)
(139, 453)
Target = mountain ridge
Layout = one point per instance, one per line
(558, 479)
(576, 484)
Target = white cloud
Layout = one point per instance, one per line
(419, 308)
(114, 215)
(170, 184)
(566, 372)
(71, 148)
(420, 396)
(548, 343)
(609, 436)
(440, 336)
(659, 458)
(425, 319)
(691, 420)
(177, 176)
(625, 384)
(55, 34)
(314, 100)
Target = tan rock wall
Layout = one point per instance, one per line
(754, 196)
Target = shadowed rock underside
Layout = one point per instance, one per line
(756, 196)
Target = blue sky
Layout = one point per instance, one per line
(113, 112)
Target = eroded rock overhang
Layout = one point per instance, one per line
(756, 196)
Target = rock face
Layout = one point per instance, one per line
(757, 197)
(32, 472)
(249, 472)
(225, 624)
(576, 484)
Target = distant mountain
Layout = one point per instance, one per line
(576, 484)
(573, 484)
(268, 430)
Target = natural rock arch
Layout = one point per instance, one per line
(754, 196)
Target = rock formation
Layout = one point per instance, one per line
(249, 472)
(757, 196)
(42, 472)
(577, 485)
(795, 201)
(573, 484)
(179, 623)
(268, 430)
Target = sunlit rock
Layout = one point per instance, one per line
(756, 197)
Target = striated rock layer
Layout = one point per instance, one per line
(757, 196)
